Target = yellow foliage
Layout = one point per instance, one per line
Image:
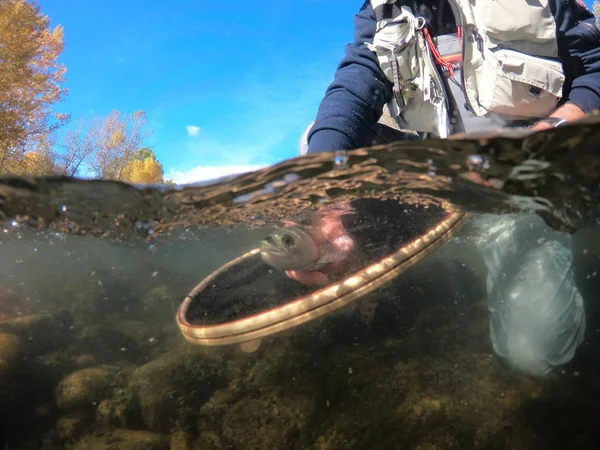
(117, 139)
(145, 171)
(30, 76)
(32, 164)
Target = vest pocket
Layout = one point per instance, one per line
(509, 20)
(519, 86)
(387, 39)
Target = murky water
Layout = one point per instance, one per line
(474, 346)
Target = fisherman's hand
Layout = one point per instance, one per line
(567, 112)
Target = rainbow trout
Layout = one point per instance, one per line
(299, 248)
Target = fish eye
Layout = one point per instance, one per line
(287, 240)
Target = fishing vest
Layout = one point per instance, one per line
(509, 66)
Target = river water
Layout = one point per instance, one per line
(489, 342)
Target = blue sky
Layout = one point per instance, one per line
(226, 88)
(222, 86)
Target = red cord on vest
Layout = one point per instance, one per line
(459, 35)
(436, 56)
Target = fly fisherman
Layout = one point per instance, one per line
(449, 66)
(437, 68)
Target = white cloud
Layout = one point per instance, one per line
(204, 173)
(192, 130)
(272, 106)
(264, 129)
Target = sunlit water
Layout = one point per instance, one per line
(92, 274)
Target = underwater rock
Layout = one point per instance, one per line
(212, 412)
(144, 334)
(54, 365)
(124, 440)
(121, 410)
(266, 422)
(107, 343)
(209, 440)
(174, 386)
(181, 440)
(84, 361)
(70, 428)
(10, 355)
(85, 388)
(41, 333)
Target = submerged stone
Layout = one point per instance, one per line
(173, 386)
(84, 389)
(41, 333)
(265, 423)
(10, 355)
(70, 428)
(124, 440)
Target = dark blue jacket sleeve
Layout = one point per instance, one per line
(579, 50)
(354, 101)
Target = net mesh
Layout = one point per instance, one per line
(250, 287)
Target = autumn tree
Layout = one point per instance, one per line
(34, 164)
(75, 148)
(103, 146)
(30, 79)
(143, 169)
(117, 139)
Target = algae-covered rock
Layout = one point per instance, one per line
(209, 440)
(106, 342)
(85, 388)
(124, 440)
(175, 386)
(41, 333)
(121, 410)
(182, 440)
(51, 366)
(111, 341)
(143, 333)
(146, 335)
(84, 361)
(10, 354)
(212, 412)
(70, 428)
(266, 423)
